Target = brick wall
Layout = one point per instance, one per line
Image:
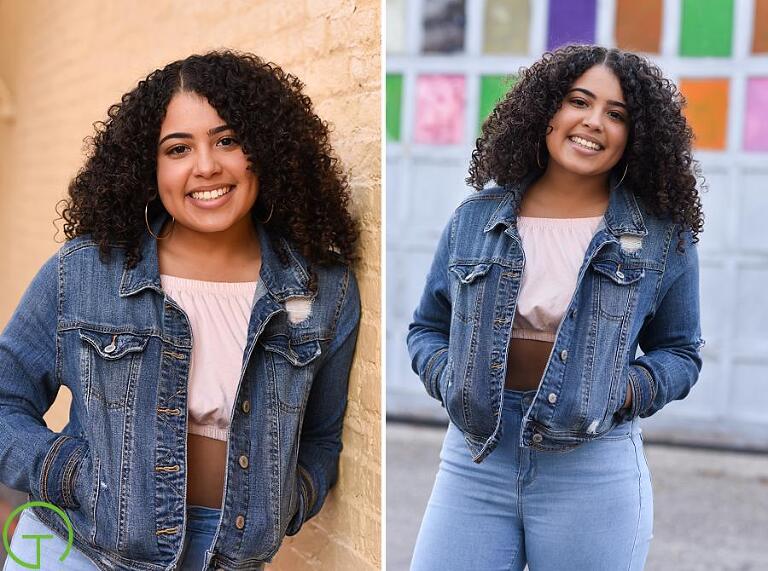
(66, 62)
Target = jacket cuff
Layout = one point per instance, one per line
(643, 389)
(59, 472)
(434, 373)
(306, 500)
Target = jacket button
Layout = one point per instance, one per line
(239, 522)
(246, 406)
(110, 348)
(564, 355)
(537, 438)
(243, 461)
(552, 398)
(620, 274)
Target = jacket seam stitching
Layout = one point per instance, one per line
(47, 463)
(665, 266)
(71, 468)
(651, 382)
(65, 252)
(310, 501)
(428, 372)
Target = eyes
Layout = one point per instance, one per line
(583, 103)
(224, 142)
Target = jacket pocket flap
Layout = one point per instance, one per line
(298, 354)
(467, 273)
(114, 345)
(616, 272)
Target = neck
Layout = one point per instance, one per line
(559, 191)
(237, 243)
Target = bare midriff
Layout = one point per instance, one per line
(206, 465)
(526, 360)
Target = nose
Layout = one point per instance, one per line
(206, 163)
(593, 120)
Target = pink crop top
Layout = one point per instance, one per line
(218, 313)
(554, 251)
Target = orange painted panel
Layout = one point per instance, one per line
(760, 33)
(707, 111)
(638, 25)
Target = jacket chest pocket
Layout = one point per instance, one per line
(615, 287)
(292, 363)
(110, 365)
(468, 290)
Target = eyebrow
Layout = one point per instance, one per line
(211, 132)
(592, 95)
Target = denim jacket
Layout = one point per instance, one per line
(634, 289)
(123, 348)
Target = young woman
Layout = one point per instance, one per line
(541, 291)
(204, 315)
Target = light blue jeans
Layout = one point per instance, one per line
(201, 528)
(589, 509)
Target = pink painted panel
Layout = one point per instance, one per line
(756, 128)
(440, 108)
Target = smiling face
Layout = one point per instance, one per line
(590, 130)
(202, 173)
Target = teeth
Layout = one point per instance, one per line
(211, 194)
(585, 143)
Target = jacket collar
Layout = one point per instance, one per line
(282, 280)
(623, 215)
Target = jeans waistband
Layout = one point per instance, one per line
(517, 403)
(202, 518)
(514, 399)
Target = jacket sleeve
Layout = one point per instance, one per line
(429, 332)
(671, 340)
(320, 441)
(33, 458)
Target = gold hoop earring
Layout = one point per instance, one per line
(538, 160)
(271, 211)
(626, 166)
(146, 221)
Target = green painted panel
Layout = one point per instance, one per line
(707, 28)
(394, 102)
(492, 90)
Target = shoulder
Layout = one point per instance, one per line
(81, 259)
(338, 298)
(85, 247)
(338, 280)
(78, 246)
(663, 228)
(673, 244)
(474, 212)
(488, 198)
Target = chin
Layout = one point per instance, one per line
(585, 170)
(580, 170)
(210, 227)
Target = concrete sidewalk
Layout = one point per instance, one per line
(711, 508)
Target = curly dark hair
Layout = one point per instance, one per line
(661, 171)
(303, 192)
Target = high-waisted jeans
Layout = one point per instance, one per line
(201, 528)
(588, 509)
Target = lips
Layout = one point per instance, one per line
(586, 142)
(215, 201)
(210, 193)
